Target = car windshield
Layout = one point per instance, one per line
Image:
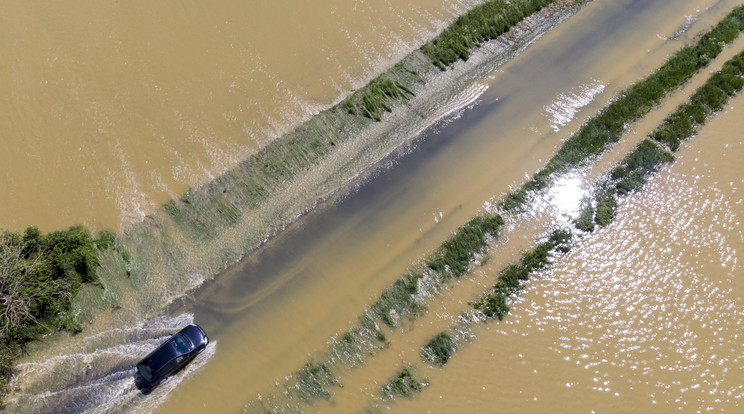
(182, 344)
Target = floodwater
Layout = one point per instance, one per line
(643, 316)
(609, 305)
(112, 108)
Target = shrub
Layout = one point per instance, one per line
(439, 349)
(404, 384)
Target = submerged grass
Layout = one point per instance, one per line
(494, 303)
(452, 259)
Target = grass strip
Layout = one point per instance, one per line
(452, 259)
(480, 24)
(512, 277)
(631, 174)
(707, 99)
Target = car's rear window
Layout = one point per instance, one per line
(145, 371)
(182, 344)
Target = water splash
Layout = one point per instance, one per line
(565, 106)
(96, 374)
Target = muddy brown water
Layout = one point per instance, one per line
(278, 308)
(644, 316)
(112, 108)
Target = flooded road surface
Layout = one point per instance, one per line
(112, 108)
(643, 316)
(281, 305)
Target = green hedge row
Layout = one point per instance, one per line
(39, 274)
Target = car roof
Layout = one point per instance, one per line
(163, 355)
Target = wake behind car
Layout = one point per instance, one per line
(171, 356)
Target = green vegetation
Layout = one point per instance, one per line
(495, 302)
(453, 258)
(375, 98)
(709, 98)
(313, 380)
(479, 25)
(455, 254)
(608, 126)
(39, 274)
(398, 298)
(439, 349)
(631, 173)
(404, 384)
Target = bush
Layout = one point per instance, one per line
(39, 274)
(439, 349)
(404, 384)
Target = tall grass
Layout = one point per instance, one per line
(479, 25)
(404, 384)
(632, 172)
(709, 98)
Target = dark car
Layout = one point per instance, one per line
(171, 356)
